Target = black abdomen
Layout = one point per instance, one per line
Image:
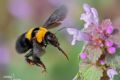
(23, 44)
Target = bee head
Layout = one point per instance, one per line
(52, 39)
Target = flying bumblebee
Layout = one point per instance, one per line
(35, 40)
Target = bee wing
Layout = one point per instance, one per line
(55, 19)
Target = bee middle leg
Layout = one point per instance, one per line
(28, 59)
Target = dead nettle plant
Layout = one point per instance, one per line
(100, 56)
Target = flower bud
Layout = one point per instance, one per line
(109, 30)
(102, 62)
(111, 50)
(83, 55)
(109, 43)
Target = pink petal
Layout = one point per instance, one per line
(90, 16)
(86, 8)
(111, 72)
(95, 14)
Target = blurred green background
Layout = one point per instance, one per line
(17, 16)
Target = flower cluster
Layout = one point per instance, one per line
(100, 52)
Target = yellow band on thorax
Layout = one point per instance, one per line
(41, 34)
(29, 34)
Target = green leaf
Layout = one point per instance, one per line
(117, 77)
(83, 67)
(90, 72)
(114, 60)
(94, 53)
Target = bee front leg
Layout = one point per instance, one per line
(45, 43)
(39, 63)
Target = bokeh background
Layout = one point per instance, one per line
(17, 16)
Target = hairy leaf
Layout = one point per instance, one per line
(83, 67)
(90, 72)
(94, 53)
(114, 60)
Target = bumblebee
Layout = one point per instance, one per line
(35, 40)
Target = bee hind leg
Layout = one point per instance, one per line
(39, 63)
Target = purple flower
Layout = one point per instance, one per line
(78, 35)
(111, 50)
(111, 72)
(107, 26)
(90, 16)
(115, 36)
(83, 55)
(109, 43)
